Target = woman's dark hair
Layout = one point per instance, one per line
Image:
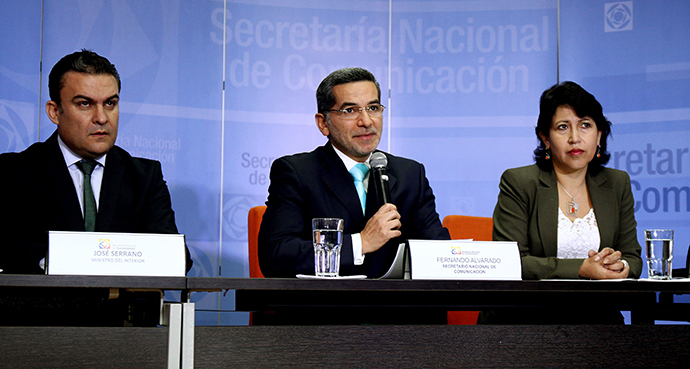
(585, 105)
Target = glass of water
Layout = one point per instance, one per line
(328, 239)
(659, 244)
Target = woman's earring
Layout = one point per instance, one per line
(548, 154)
(598, 151)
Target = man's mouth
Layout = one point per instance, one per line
(366, 135)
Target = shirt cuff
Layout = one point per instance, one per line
(357, 249)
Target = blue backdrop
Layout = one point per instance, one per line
(217, 89)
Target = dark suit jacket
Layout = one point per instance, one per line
(37, 195)
(317, 184)
(527, 212)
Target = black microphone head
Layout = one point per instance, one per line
(378, 160)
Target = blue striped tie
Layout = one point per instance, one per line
(358, 172)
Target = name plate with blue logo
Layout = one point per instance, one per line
(465, 259)
(122, 254)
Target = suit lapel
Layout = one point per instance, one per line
(547, 212)
(339, 181)
(392, 179)
(603, 201)
(110, 189)
(372, 197)
(60, 184)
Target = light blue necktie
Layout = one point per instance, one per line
(358, 172)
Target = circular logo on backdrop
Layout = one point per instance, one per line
(235, 212)
(619, 16)
(13, 134)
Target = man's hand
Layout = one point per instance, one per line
(382, 227)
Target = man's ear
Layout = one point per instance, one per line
(322, 123)
(53, 109)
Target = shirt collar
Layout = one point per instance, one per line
(71, 158)
(348, 161)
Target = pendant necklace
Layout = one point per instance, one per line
(572, 206)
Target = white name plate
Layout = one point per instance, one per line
(463, 259)
(125, 254)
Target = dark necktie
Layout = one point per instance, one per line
(87, 166)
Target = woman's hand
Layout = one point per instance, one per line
(606, 264)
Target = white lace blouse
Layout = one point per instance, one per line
(576, 238)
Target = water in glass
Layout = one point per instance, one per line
(659, 258)
(327, 243)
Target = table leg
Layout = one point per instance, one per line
(187, 335)
(173, 319)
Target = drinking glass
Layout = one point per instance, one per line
(659, 244)
(328, 239)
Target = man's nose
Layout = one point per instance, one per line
(364, 118)
(99, 115)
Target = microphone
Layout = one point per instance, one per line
(378, 163)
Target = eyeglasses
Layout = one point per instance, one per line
(374, 110)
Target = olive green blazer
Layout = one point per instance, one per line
(527, 212)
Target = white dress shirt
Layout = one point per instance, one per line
(356, 237)
(71, 159)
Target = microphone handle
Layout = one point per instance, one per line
(383, 193)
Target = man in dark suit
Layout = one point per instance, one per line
(43, 189)
(319, 184)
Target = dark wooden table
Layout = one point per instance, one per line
(78, 281)
(86, 347)
(639, 297)
(391, 345)
(435, 346)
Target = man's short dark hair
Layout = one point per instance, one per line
(324, 94)
(84, 61)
